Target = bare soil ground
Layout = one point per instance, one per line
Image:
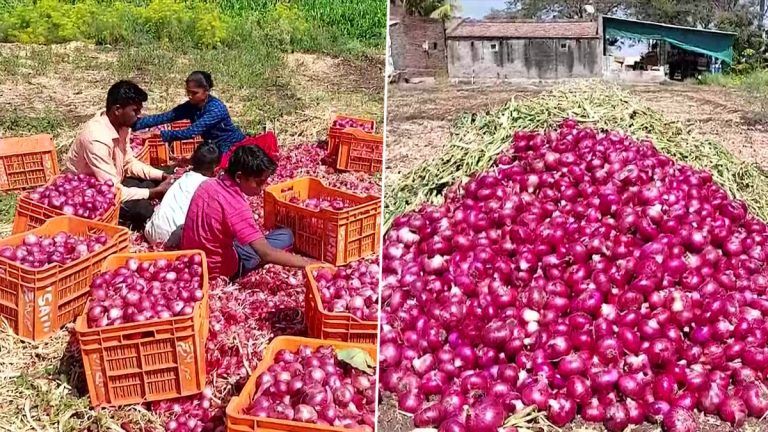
(419, 119)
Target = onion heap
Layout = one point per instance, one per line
(323, 203)
(313, 386)
(584, 274)
(76, 194)
(352, 123)
(41, 251)
(190, 414)
(351, 289)
(146, 290)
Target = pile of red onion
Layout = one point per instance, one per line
(41, 251)
(191, 414)
(585, 274)
(323, 203)
(76, 194)
(146, 290)
(313, 386)
(344, 123)
(353, 289)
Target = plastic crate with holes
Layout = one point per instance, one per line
(37, 302)
(27, 162)
(341, 122)
(359, 151)
(31, 214)
(337, 237)
(160, 154)
(237, 418)
(153, 360)
(338, 326)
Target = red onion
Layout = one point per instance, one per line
(613, 279)
(123, 296)
(76, 194)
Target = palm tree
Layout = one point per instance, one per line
(440, 9)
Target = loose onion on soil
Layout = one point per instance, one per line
(41, 251)
(585, 274)
(313, 386)
(143, 291)
(76, 194)
(352, 289)
(352, 123)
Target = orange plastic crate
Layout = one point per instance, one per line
(238, 421)
(157, 152)
(147, 361)
(185, 148)
(27, 162)
(180, 125)
(359, 151)
(326, 325)
(143, 154)
(333, 131)
(336, 237)
(36, 303)
(31, 214)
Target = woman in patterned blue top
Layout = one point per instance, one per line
(209, 117)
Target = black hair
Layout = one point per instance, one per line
(124, 93)
(250, 161)
(205, 157)
(201, 79)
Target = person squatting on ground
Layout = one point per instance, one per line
(102, 150)
(220, 221)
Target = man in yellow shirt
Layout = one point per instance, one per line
(102, 150)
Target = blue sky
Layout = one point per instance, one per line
(478, 8)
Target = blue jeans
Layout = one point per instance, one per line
(249, 260)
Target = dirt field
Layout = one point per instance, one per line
(419, 116)
(419, 119)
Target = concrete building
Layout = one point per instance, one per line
(501, 50)
(471, 50)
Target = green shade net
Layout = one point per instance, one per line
(715, 44)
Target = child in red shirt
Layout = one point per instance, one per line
(220, 222)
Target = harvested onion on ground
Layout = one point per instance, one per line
(314, 386)
(353, 289)
(143, 291)
(352, 123)
(585, 273)
(62, 248)
(76, 194)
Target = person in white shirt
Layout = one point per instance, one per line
(164, 228)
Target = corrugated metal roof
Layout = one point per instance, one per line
(508, 29)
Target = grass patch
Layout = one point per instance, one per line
(7, 208)
(16, 123)
(325, 26)
(753, 84)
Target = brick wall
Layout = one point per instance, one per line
(408, 37)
